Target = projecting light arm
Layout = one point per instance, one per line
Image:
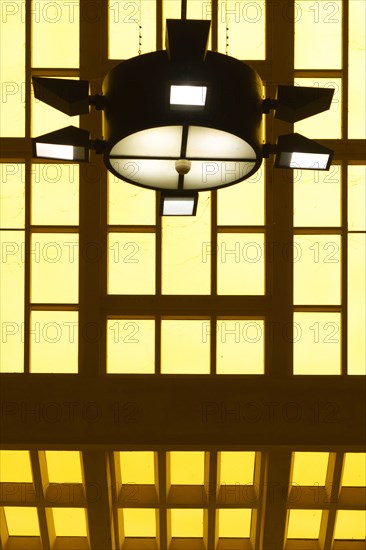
(295, 103)
(269, 149)
(66, 95)
(98, 101)
(269, 105)
(66, 144)
(296, 151)
(98, 145)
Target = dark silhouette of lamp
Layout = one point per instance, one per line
(182, 120)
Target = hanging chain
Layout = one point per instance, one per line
(140, 28)
(227, 21)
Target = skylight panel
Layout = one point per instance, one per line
(354, 470)
(240, 263)
(186, 468)
(70, 522)
(15, 466)
(131, 263)
(187, 523)
(236, 467)
(317, 343)
(137, 467)
(64, 466)
(304, 524)
(234, 523)
(22, 521)
(183, 349)
(309, 468)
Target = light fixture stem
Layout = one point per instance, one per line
(268, 105)
(184, 9)
(98, 101)
(268, 149)
(98, 145)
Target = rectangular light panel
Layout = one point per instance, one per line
(309, 160)
(53, 151)
(188, 95)
(178, 207)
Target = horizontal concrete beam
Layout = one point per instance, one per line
(198, 411)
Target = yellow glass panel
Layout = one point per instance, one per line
(12, 195)
(187, 523)
(130, 346)
(12, 74)
(54, 268)
(54, 24)
(240, 347)
(128, 20)
(22, 521)
(328, 123)
(309, 468)
(69, 522)
(55, 194)
(235, 523)
(357, 70)
(317, 198)
(354, 470)
(187, 468)
(15, 466)
(46, 119)
(236, 467)
(139, 522)
(356, 303)
(357, 198)
(137, 467)
(317, 343)
(197, 9)
(129, 204)
(316, 24)
(64, 467)
(317, 269)
(12, 301)
(242, 204)
(240, 263)
(350, 525)
(184, 348)
(242, 18)
(186, 251)
(54, 341)
(304, 524)
(172, 9)
(131, 263)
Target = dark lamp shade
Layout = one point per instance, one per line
(67, 144)
(297, 151)
(295, 103)
(68, 96)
